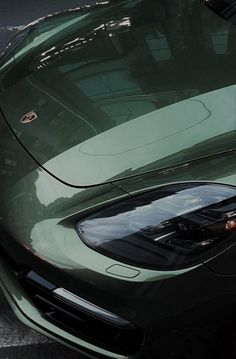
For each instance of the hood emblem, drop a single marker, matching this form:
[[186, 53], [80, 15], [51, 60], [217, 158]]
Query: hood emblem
[[29, 117]]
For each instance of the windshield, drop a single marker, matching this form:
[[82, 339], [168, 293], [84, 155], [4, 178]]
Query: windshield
[[130, 87]]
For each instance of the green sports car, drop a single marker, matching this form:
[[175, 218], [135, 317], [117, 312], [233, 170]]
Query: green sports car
[[118, 178]]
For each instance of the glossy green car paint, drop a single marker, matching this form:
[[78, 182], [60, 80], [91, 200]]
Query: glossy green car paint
[[125, 103], [106, 112]]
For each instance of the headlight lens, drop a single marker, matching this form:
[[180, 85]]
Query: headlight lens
[[172, 227]]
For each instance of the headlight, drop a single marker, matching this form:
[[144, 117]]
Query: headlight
[[171, 227]]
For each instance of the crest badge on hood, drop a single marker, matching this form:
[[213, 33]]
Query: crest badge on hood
[[29, 117]]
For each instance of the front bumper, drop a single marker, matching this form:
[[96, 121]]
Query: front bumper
[[27, 313]]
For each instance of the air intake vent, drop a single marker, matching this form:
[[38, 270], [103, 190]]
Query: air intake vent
[[81, 318]]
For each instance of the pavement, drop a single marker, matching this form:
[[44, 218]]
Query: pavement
[[16, 340]]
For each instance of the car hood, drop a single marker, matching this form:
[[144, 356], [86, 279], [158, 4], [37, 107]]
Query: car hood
[[87, 114], [179, 133]]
